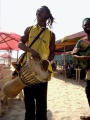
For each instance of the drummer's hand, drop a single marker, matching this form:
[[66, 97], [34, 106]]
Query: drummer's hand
[[81, 58], [78, 57], [45, 64], [14, 76], [35, 55], [85, 58]]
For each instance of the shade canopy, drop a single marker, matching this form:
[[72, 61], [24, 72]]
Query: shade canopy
[[68, 42], [9, 41], [5, 55]]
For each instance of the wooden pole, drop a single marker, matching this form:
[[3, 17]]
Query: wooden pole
[[64, 62], [17, 54]]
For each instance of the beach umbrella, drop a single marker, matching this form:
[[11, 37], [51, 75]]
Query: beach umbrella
[[5, 55], [9, 41], [68, 42]]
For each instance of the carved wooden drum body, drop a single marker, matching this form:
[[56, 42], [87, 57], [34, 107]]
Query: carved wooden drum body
[[30, 73]]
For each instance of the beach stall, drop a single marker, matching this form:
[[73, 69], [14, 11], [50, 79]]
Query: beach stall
[[67, 43]]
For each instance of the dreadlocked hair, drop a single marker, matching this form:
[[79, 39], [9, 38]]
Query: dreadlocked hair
[[50, 19]]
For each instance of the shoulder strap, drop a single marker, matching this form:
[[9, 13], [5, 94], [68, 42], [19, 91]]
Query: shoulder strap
[[23, 55], [33, 42], [37, 37]]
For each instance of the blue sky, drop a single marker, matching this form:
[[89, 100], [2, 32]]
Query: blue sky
[[16, 15]]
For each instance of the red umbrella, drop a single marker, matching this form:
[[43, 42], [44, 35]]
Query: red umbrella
[[5, 55], [9, 41]]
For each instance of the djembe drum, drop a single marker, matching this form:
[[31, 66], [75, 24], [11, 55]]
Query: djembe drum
[[30, 73]]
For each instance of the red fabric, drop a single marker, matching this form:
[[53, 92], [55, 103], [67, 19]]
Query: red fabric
[[5, 55], [9, 41]]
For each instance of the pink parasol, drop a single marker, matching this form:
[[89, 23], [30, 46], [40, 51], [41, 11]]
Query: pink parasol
[[5, 55], [9, 41]]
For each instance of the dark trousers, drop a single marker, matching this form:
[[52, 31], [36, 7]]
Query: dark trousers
[[36, 102], [87, 90]]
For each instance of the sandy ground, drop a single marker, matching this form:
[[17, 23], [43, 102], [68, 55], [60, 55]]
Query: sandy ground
[[66, 101]]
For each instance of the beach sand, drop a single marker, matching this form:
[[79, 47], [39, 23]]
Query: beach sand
[[66, 101]]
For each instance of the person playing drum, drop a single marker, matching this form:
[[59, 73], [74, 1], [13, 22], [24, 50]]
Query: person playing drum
[[35, 96]]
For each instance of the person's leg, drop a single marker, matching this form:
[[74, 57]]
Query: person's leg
[[41, 101], [29, 103], [87, 90]]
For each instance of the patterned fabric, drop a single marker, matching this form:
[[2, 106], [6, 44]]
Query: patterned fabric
[[82, 45]]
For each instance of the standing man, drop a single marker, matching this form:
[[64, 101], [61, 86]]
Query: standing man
[[44, 49], [84, 44]]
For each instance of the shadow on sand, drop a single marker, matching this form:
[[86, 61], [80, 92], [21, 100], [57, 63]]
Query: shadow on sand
[[81, 83], [50, 116]]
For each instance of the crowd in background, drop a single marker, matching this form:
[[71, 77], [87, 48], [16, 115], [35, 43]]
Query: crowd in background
[[70, 68]]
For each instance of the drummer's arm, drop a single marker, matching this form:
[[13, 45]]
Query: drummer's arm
[[23, 41], [52, 48], [22, 45], [14, 64]]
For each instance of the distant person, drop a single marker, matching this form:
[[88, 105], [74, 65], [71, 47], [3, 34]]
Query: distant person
[[75, 65], [68, 72], [71, 68], [84, 44]]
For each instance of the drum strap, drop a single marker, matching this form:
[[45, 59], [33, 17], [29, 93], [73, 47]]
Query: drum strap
[[23, 55], [37, 37]]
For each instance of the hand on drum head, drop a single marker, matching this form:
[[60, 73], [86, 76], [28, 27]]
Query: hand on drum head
[[14, 76], [44, 65], [35, 55]]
